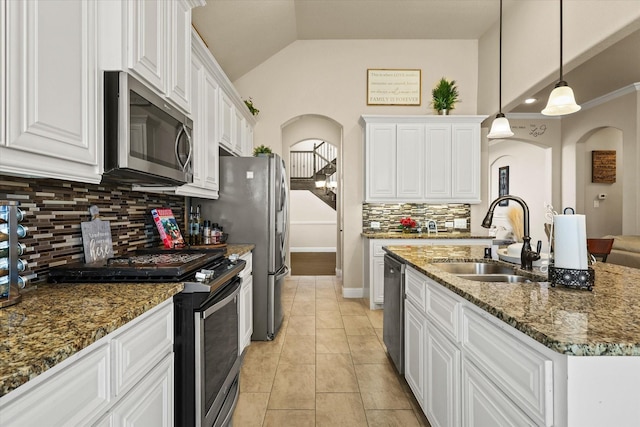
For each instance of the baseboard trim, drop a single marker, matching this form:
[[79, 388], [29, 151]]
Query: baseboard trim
[[353, 292]]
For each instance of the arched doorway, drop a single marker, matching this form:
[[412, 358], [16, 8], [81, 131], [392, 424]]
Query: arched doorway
[[308, 224], [529, 177], [313, 218]]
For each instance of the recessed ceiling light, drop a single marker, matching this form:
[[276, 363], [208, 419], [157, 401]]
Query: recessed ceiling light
[[530, 100]]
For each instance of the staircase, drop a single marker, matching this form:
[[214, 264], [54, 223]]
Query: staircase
[[310, 169]]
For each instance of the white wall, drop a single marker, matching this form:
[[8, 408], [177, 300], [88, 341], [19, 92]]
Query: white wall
[[530, 178], [313, 223], [328, 78], [606, 218], [620, 111], [531, 43]]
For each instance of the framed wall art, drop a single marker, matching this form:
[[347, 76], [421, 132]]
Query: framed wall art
[[603, 166], [503, 184], [394, 87]]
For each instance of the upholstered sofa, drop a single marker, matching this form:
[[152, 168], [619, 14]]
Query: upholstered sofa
[[625, 251]]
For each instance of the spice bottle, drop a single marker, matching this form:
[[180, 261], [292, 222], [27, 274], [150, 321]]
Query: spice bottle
[[206, 233]]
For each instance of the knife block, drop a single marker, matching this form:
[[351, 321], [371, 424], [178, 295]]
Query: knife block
[[9, 278]]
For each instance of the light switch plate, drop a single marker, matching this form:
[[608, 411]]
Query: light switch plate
[[460, 223], [375, 224]]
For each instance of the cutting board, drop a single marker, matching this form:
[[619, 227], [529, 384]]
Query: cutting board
[[96, 238]]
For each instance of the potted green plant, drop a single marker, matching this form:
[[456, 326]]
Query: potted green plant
[[445, 95], [250, 106], [261, 150]]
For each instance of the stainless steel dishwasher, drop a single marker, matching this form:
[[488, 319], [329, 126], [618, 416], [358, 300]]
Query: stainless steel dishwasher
[[393, 319]]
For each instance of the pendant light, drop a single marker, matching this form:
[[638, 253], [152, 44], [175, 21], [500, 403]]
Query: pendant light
[[561, 100], [500, 127]]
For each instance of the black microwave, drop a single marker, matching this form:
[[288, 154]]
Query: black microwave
[[146, 140]]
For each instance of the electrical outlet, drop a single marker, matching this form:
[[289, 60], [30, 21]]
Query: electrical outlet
[[596, 203], [375, 225], [460, 223], [448, 224]]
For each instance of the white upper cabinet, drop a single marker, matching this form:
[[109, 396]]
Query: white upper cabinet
[[226, 121], [380, 164], [453, 162], [236, 125], [179, 64], [51, 102], [151, 39], [432, 159], [146, 40], [409, 161], [204, 110]]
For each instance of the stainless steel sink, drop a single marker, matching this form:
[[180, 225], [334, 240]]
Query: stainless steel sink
[[474, 268], [509, 278], [483, 272]]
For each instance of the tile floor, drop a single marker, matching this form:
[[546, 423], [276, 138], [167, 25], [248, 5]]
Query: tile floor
[[326, 367]]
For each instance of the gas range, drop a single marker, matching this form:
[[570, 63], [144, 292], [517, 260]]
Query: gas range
[[198, 269]]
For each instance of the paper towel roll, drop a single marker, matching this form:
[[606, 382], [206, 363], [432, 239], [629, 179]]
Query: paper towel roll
[[570, 241]]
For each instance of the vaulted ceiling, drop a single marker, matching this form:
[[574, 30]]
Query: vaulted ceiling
[[241, 34]]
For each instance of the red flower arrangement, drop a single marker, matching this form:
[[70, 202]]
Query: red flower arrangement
[[407, 223]]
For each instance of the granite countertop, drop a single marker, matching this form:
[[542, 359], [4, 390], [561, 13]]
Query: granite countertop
[[239, 248], [54, 321], [603, 322], [439, 235]]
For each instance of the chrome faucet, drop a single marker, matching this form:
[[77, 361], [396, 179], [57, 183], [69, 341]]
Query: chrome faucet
[[527, 256]]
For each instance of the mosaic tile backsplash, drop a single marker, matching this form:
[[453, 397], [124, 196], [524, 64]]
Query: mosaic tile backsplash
[[389, 215], [54, 210]]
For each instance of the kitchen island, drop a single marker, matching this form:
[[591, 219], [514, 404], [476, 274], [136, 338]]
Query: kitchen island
[[521, 353]]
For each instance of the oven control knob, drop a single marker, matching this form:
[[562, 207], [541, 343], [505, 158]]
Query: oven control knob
[[204, 275]]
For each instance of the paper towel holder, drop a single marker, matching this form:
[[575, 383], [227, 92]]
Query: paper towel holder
[[572, 278]]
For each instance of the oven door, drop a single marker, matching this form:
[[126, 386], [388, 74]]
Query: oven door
[[217, 362]]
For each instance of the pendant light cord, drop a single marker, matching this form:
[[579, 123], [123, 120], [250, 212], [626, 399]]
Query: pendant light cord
[[500, 65], [560, 40]]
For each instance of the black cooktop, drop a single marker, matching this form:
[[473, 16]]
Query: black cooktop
[[153, 265]]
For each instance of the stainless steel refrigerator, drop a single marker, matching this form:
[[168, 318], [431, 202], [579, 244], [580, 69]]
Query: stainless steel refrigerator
[[253, 208]]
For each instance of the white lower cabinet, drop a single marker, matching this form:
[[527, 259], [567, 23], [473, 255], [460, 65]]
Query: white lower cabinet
[[125, 378], [485, 405], [77, 393], [442, 398], [466, 369], [525, 375], [246, 302], [414, 350], [149, 404]]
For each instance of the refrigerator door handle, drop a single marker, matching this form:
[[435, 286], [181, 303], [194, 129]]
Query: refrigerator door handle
[[283, 272]]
